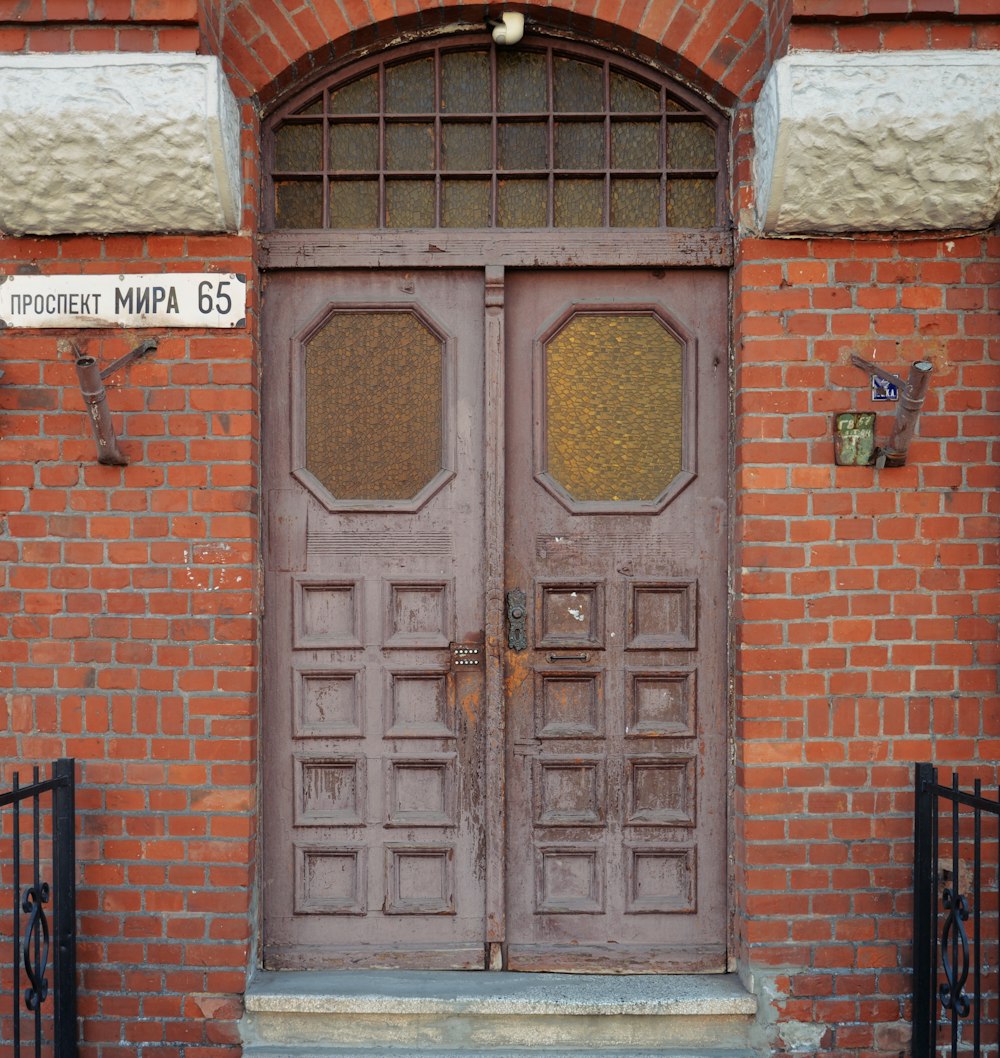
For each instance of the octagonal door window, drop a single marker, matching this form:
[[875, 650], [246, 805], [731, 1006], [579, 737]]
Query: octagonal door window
[[616, 411], [373, 430]]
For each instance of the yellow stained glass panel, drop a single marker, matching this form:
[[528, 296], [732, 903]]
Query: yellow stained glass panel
[[373, 395], [613, 407]]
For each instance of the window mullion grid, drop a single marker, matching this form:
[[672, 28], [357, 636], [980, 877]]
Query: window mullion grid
[[382, 219], [327, 160], [330, 176], [720, 189], [494, 137], [664, 130], [606, 66], [436, 160], [550, 92]]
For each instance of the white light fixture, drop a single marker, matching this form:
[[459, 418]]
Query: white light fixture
[[510, 29]]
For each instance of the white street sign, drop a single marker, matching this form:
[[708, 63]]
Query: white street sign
[[176, 299]]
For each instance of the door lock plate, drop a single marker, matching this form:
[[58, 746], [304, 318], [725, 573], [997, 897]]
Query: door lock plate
[[517, 612]]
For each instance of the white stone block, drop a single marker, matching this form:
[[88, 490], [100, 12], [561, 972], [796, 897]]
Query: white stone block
[[877, 142], [104, 142]]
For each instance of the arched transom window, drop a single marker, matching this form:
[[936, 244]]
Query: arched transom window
[[468, 135]]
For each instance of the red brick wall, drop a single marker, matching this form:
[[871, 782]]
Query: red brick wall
[[719, 45], [867, 604], [893, 25], [866, 601], [98, 25], [128, 639]]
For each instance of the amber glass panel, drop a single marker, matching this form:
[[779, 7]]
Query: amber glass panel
[[635, 203], [299, 149], [358, 97], [465, 83], [298, 203], [613, 407], [354, 148], [409, 147], [466, 146], [635, 145], [409, 87], [629, 96], [691, 203], [522, 203], [579, 86], [354, 204], [409, 204], [579, 203], [465, 203], [373, 395], [522, 145], [579, 145], [691, 145], [521, 83]]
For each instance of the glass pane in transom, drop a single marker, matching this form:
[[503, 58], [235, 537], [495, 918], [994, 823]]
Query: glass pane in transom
[[465, 82], [580, 145], [521, 83], [409, 87], [299, 149], [354, 147], [579, 86], [356, 97]]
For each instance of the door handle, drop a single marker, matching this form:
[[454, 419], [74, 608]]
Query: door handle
[[517, 612]]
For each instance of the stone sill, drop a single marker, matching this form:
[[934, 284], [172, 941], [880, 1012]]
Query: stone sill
[[463, 992]]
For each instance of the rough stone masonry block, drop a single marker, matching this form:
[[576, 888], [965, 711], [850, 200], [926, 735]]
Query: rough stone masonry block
[[104, 142], [878, 142]]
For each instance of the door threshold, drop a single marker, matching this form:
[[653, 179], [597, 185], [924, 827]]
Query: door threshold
[[483, 992]]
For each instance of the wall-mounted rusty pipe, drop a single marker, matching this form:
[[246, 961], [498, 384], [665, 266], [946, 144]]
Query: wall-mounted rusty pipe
[[911, 400], [96, 398]]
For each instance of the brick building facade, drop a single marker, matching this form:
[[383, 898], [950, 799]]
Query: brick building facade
[[862, 602]]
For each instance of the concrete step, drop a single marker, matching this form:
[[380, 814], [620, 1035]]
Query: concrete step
[[443, 1014], [397, 1052]]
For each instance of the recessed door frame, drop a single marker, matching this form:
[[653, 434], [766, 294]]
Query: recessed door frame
[[494, 703], [305, 117]]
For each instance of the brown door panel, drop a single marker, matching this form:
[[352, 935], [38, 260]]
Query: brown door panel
[[373, 746], [616, 471]]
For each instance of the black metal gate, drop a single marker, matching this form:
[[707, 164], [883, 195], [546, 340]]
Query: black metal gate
[[43, 1015], [956, 930]]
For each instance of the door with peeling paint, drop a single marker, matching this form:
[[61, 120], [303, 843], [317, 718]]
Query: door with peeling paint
[[598, 572], [615, 665], [373, 749]]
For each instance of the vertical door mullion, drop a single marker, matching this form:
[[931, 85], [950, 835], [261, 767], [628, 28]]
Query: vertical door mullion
[[493, 490]]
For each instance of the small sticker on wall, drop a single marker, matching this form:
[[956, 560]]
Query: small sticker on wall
[[883, 389], [854, 438]]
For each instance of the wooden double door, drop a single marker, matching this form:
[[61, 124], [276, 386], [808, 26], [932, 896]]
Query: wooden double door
[[494, 710]]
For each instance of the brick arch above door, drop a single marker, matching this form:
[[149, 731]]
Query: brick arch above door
[[722, 53]]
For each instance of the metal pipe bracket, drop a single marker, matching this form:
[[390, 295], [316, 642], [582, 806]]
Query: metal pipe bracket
[[911, 401]]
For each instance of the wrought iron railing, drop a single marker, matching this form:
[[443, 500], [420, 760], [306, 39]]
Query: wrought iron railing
[[956, 924], [43, 920]]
